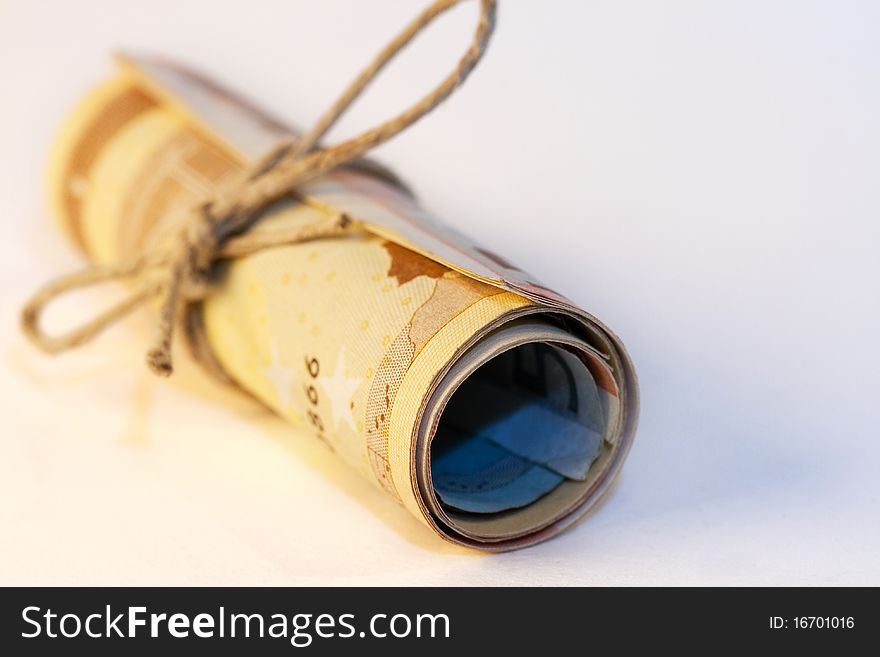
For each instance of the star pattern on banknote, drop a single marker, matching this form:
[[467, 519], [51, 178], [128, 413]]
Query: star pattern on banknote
[[281, 377], [339, 387]]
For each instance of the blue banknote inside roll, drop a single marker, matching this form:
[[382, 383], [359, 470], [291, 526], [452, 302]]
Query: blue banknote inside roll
[[520, 425]]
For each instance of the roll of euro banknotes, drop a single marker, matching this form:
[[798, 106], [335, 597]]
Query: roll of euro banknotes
[[496, 411]]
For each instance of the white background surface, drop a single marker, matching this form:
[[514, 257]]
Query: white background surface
[[703, 176]]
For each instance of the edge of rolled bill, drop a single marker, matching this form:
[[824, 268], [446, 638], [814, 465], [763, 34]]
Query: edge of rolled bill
[[491, 407]]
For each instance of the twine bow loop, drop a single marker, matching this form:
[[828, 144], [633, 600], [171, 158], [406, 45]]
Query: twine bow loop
[[182, 273]]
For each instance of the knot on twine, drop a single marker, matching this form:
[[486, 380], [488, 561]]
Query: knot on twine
[[181, 273]]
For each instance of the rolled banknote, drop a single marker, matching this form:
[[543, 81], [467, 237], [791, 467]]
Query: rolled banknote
[[493, 409]]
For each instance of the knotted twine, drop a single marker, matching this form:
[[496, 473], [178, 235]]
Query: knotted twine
[[180, 273]]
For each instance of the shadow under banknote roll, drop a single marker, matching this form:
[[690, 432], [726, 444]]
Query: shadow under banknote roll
[[492, 408]]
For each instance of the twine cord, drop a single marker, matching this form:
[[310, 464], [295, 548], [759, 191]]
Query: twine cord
[[182, 273]]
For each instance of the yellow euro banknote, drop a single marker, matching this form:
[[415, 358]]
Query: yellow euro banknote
[[493, 409]]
